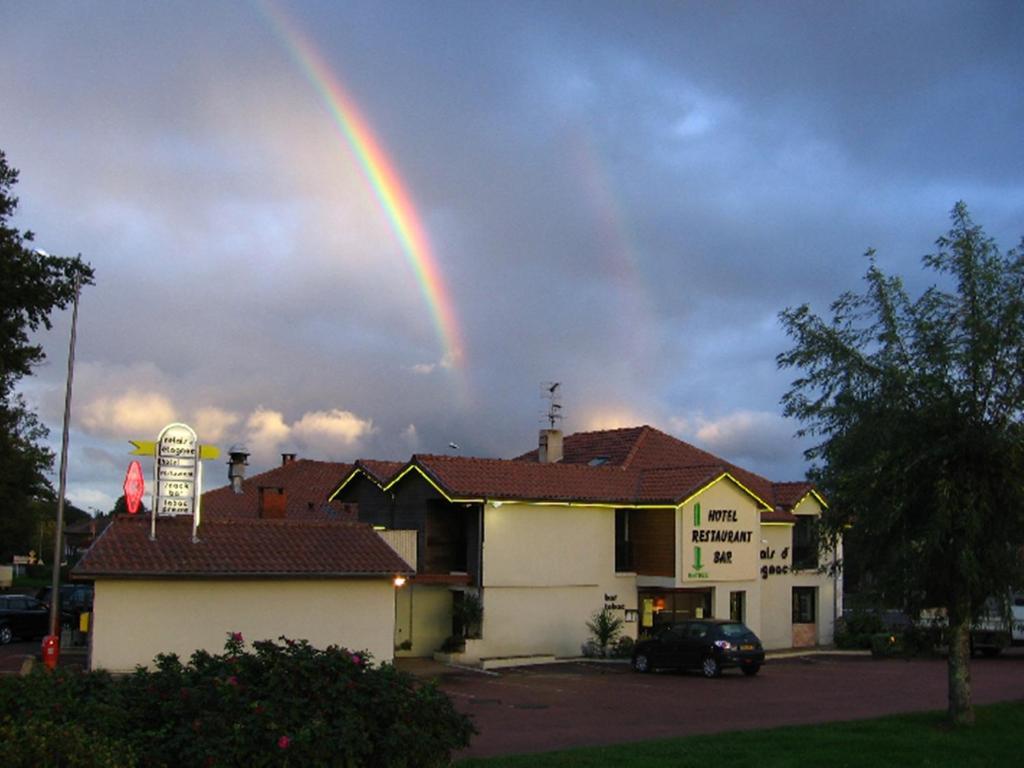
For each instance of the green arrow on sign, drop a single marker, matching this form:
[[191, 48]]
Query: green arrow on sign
[[696, 559], [696, 515]]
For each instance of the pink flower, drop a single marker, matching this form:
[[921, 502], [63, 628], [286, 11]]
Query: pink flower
[[356, 659], [232, 680], [283, 742], [236, 636]]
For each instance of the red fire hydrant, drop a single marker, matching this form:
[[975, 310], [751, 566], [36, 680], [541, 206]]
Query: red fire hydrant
[[51, 651]]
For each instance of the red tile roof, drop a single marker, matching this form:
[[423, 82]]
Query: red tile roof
[[464, 478], [788, 495], [646, 448], [239, 548], [778, 515], [381, 471], [306, 483]]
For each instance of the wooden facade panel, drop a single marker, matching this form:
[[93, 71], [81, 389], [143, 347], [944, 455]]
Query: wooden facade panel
[[653, 536]]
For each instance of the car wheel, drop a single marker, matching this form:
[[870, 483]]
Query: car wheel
[[6, 635], [641, 663], [710, 667], [751, 669]]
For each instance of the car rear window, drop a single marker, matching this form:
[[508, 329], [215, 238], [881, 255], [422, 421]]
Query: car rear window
[[734, 630]]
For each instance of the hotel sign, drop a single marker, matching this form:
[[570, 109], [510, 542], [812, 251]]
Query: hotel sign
[[719, 544], [177, 467], [177, 472]]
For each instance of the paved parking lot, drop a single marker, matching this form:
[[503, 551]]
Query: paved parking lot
[[579, 703]]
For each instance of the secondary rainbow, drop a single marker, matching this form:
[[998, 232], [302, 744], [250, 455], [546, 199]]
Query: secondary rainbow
[[385, 181]]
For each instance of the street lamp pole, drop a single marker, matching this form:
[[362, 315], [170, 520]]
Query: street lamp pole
[[58, 535]]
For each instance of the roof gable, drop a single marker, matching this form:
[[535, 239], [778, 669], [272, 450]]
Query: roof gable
[[380, 473]]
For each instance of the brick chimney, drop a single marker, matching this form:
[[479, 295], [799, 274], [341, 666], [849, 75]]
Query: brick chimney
[[272, 503], [550, 446], [287, 458]]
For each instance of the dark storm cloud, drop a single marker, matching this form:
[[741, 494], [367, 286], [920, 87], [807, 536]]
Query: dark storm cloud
[[621, 197]]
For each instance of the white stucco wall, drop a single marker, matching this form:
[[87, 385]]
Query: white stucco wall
[[134, 620], [424, 617], [547, 570], [776, 629], [777, 588]]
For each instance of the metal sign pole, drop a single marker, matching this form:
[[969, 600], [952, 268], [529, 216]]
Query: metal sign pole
[[58, 543]]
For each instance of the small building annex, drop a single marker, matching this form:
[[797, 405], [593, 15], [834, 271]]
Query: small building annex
[[326, 581]]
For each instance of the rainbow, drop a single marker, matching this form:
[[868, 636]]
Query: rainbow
[[386, 183]]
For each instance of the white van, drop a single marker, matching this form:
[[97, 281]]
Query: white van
[[990, 634]]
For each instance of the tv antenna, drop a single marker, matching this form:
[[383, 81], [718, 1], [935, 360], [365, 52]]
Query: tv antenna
[[552, 392]]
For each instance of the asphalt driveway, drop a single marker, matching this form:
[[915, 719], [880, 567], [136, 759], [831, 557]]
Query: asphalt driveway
[[537, 709]]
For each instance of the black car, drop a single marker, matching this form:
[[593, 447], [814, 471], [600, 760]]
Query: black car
[[709, 645], [75, 599], [25, 617]]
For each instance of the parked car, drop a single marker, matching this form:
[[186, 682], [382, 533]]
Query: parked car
[[709, 645], [75, 599], [26, 617]]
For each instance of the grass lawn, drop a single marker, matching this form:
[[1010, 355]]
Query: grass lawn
[[903, 740]]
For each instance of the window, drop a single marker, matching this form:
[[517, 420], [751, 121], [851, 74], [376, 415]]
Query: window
[[737, 606], [623, 544], [805, 543], [805, 600], [697, 631]]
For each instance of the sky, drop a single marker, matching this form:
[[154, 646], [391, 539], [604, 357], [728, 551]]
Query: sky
[[370, 229]]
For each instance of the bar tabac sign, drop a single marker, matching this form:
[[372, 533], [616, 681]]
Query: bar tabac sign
[[177, 472]]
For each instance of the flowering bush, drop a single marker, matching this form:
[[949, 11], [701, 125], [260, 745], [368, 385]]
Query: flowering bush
[[279, 703]]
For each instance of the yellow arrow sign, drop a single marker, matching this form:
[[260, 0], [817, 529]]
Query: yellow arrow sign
[[143, 448], [148, 448]]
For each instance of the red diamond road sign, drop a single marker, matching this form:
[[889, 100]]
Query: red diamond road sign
[[134, 487]]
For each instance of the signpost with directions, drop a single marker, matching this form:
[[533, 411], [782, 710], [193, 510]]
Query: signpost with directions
[[177, 473]]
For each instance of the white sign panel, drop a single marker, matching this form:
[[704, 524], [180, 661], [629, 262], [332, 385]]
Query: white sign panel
[[177, 463]]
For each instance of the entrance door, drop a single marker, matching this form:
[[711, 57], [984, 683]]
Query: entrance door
[[673, 606], [805, 626]]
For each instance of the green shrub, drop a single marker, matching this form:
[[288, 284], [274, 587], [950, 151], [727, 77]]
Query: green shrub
[[276, 704], [605, 627], [856, 630], [886, 644], [42, 743], [922, 639], [623, 648], [913, 640], [468, 614]]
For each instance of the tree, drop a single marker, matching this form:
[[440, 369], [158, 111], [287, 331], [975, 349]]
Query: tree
[[121, 508], [34, 284], [918, 408]]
